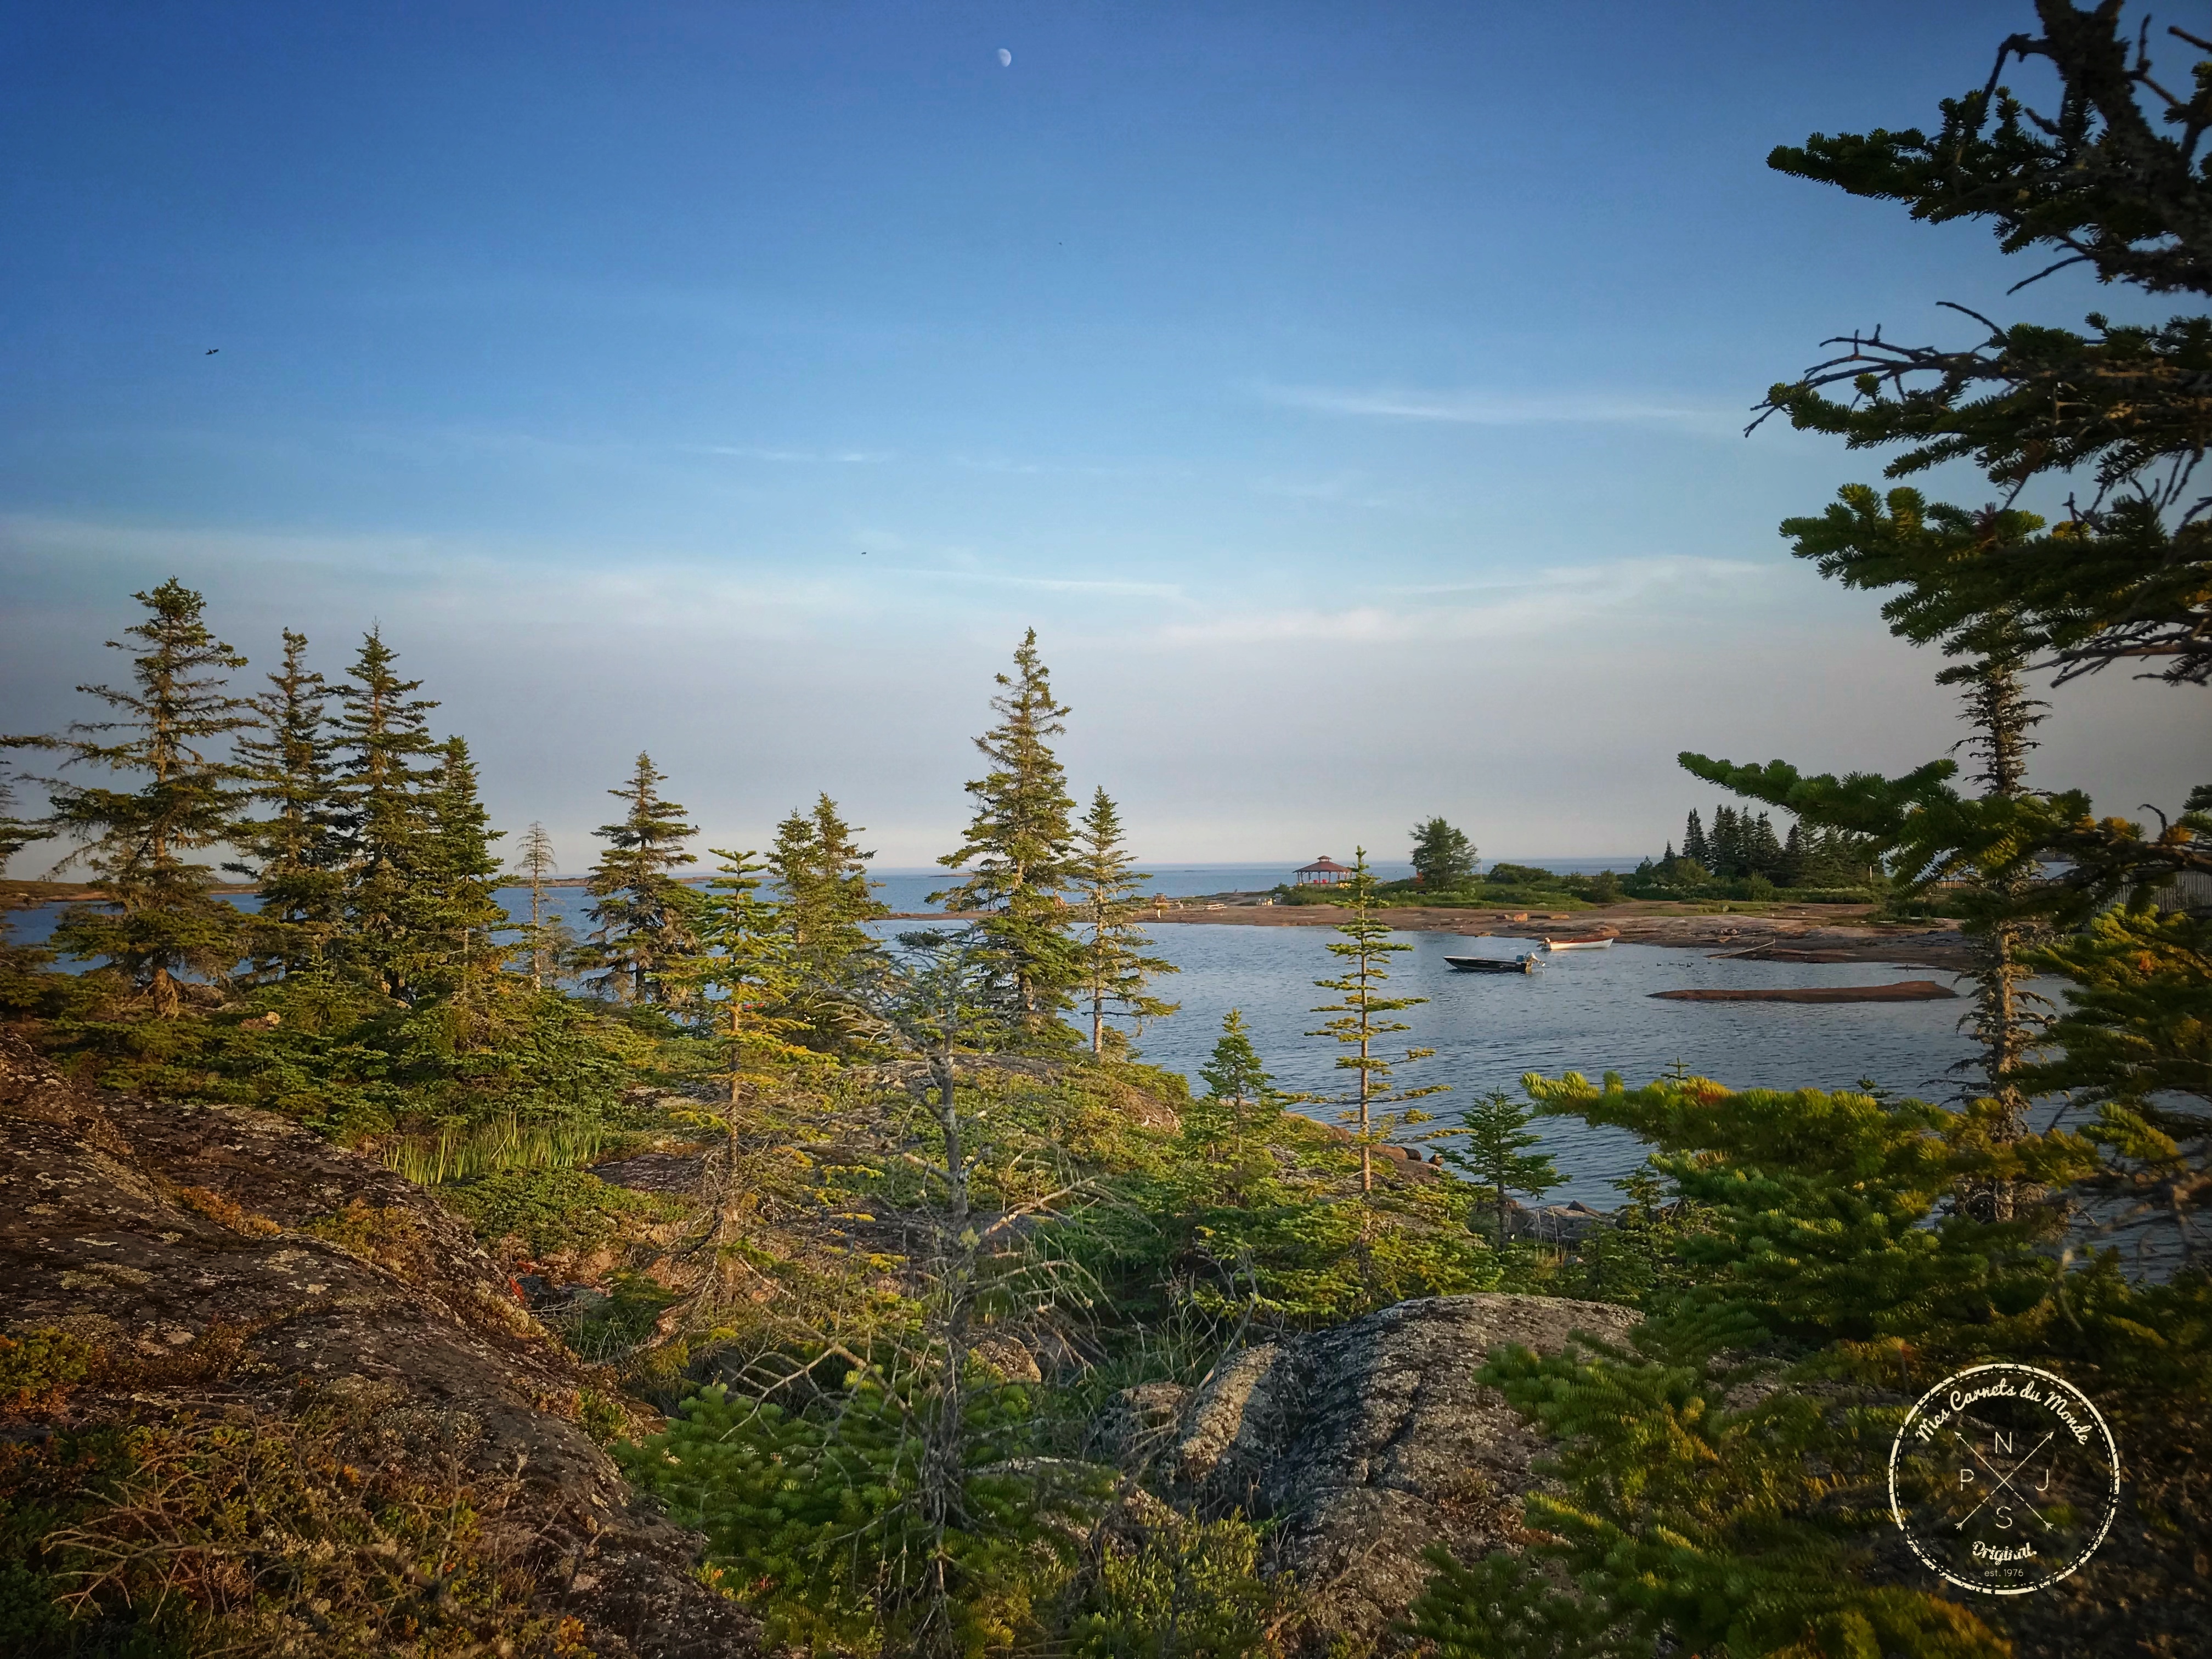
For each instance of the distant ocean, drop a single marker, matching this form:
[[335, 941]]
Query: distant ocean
[[907, 890]]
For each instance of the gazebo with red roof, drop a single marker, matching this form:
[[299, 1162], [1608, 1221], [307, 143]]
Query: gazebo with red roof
[[1323, 872]]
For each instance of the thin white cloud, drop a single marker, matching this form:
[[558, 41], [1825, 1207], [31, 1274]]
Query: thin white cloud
[[1044, 584], [805, 456], [1481, 408], [1630, 576], [1540, 604]]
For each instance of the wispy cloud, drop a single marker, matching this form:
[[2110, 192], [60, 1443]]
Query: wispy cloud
[[1044, 584], [803, 457], [1476, 407], [1351, 488], [1545, 604]]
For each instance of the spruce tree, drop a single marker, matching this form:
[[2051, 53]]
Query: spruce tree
[[2111, 413], [1016, 854], [1115, 969], [2006, 1020], [2113, 178], [388, 763], [1239, 1095], [1363, 1019], [456, 912], [296, 849], [546, 943], [16, 834], [1495, 1152], [1694, 847], [1729, 841], [1762, 852], [746, 971], [645, 915], [827, 900], [159, 919], [1443, 857]]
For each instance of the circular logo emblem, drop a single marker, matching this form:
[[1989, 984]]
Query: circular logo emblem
[[2004, 1478]]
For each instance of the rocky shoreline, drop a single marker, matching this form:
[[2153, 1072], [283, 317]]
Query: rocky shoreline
[[1811, 932]]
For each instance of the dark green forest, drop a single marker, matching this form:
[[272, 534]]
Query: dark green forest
[[949, 1214]]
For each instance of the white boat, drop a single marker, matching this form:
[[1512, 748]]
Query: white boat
[[1577, 944]]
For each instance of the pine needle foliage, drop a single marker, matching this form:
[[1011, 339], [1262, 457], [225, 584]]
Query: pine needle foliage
[[296, 851], [159, 921], [388, 764], [1266, 1223], [1495, 1140], [645, 916], [546, 943], [826, 903], [1016, 854], [1362, 1022], [2112, 178], [1115, 969], [1721, 1480]]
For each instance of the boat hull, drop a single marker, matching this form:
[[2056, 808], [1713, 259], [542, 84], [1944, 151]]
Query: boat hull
[[1492, 964]]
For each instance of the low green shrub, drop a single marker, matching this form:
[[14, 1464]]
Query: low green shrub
[[552, 1211]]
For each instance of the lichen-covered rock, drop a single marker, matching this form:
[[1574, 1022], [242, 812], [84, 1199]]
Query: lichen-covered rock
[[148, 1230], [1367, 1444], [1138, 1424]]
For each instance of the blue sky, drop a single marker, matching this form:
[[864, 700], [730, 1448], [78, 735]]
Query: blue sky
[[1350, 396]]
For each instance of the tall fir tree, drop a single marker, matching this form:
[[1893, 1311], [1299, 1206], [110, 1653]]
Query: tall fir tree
[[1727, 842], [1362, 1020], [1115, 969], [745, 973], [646, 917], [1016, 855], [295, 850], [2007, 1018], [2112, 177], [387, 763], [160, 921], [546, 942], [826, 899], [1694, 847], [826, 903], [457, 915], [1762, 853]]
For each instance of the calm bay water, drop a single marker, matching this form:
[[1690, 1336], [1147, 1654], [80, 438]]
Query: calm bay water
[[1586, 1011]]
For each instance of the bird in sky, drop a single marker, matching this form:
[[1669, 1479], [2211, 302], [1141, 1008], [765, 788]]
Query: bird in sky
[[211, 351]]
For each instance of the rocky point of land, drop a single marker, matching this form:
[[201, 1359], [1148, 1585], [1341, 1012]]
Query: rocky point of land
[[1364, 1444], [1784, 932], [228, 1264]]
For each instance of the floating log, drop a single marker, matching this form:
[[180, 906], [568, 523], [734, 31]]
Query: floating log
[[1904, 990]]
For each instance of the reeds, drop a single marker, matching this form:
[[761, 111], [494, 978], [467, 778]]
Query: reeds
[[459, 1150]]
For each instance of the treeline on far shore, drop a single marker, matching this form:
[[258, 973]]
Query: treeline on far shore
[[1741, 858]]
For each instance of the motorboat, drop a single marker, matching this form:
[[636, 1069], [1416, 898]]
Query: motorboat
[[1520, 964], [1577, 944]]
